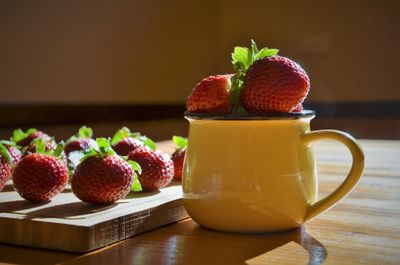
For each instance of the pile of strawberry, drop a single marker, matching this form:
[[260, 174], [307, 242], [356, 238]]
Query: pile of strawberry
[[263, 83], [101, 171]]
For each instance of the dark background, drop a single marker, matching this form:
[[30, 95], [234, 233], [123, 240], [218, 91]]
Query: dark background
[[113, 63]]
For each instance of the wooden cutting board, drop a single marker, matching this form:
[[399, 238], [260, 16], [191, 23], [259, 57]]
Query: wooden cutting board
[[68, 224]]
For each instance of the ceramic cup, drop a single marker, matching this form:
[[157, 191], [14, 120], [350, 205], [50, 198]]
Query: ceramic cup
[[258, 174]]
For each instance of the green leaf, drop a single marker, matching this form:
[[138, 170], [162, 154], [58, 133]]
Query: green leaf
[[265, 52], [121, 134], [30, 131], [136, 183], [103, 143], [58, 150], [18, 135], [240, 54], [135, 134], [4, 153], [9, 143], [135, 166], [179, 141], [148, 142], [105, 146], [40, 146], [249, 59], [89, 154], [100, 147], [85, 132], [239, 67], [94, 147]]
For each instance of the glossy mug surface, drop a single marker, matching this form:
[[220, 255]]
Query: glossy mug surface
[[258, 174]]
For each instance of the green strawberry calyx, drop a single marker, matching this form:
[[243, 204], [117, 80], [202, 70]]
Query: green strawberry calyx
[[102, 147], [83, 133], [19, 134], [136, 186], [125, 132], [242, 59], [40, 145], [10, 143], [179, 141], [5, 154]]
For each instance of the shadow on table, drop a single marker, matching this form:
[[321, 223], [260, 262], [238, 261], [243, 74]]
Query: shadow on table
[[8, 188], [68, 210], [187, 243], [73, 210]]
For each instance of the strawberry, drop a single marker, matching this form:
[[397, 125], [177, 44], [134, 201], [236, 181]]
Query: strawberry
[[13, 151], [274, 84], [265, 82], [124, 142], [31, 148], [298, 108], [210, 95], [127, 145], [5, 166], [25, 138], [102, 177], [5, 172], [80, 141], [40, 176], [178, 156], [157, 168], [78, 145]]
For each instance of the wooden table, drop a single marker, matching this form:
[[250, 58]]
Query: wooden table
[[363, 228]]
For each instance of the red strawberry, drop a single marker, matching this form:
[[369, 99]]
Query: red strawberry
[[15, 154], [124, 141], [39, 177], [127, 145], [6, 165], [80, 141], [178, 157], [78, 145], [210, 95], [298, 108], [25, 138], [5, 171], [157, 168], [274, 84], [102, 179]]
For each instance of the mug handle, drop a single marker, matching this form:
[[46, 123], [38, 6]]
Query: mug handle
[[352, 178]]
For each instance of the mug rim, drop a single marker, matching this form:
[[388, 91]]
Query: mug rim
[[259, 116]]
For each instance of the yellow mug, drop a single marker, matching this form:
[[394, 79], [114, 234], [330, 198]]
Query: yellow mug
[[258, 174]]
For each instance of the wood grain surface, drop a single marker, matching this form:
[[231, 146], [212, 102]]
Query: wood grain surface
[[363, 229]]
